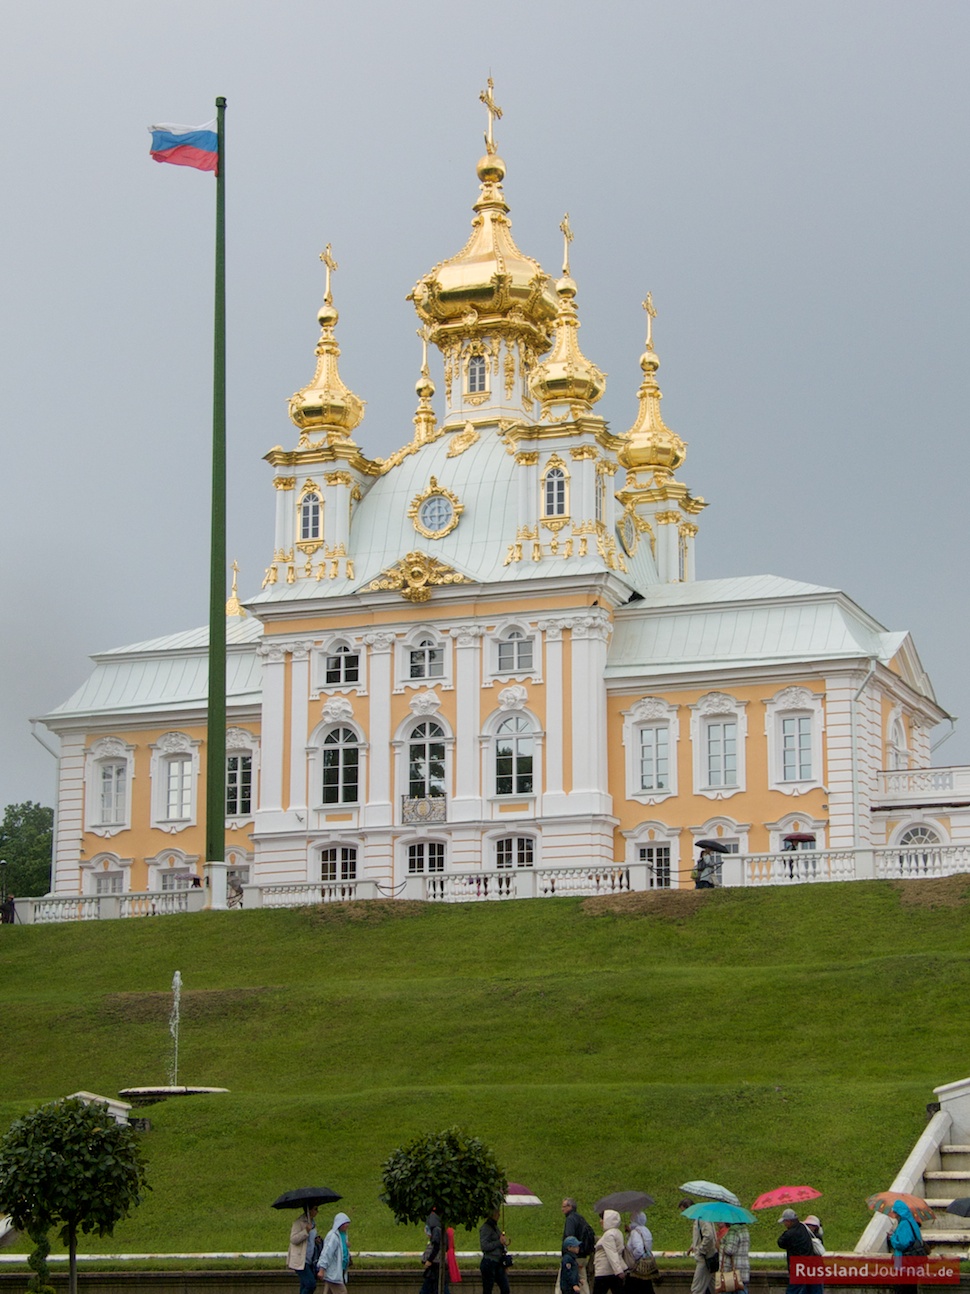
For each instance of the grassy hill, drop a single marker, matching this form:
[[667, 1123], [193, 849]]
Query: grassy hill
[[756, 1037]]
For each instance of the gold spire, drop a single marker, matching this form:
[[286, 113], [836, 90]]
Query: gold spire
[[326, 404], [233, 605], [424, 419], [567, 376], [650, 442], [490, 287]]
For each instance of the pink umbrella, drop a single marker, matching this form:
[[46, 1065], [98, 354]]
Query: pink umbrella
[[519, 1194], [785, 1195]]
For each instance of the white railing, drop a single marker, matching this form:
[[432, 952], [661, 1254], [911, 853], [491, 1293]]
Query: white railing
[[527, 883], [106, 907], [922, 784], [918, 862], [301, 894], [794, 867]]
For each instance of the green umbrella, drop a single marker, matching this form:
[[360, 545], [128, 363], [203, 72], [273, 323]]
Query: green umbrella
[[719, 1211]]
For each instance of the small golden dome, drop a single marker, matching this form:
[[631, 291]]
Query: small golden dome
[[326, 404], [567, 376], [650, 442]]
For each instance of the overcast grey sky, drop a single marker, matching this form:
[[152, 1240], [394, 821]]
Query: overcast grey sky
[[789, 179]]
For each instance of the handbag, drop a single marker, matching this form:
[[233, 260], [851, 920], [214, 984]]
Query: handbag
[[642, 1269], [713, 1262], [727, 1281]]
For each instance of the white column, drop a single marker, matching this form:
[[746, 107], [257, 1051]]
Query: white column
[[271, 729], [377, 807], [466, 805], [284, 515], [668, 546], [69, 820], [589, 637], [553, 799], [299, 701]]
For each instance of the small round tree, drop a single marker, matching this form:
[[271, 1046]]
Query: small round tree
[[70, 1164], [450, 1172]]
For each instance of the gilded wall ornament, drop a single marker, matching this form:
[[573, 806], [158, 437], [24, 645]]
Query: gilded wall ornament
[[436, 511], [463, 440], [414, 576]]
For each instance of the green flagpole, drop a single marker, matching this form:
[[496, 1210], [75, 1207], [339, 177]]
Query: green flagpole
[[215, 768]]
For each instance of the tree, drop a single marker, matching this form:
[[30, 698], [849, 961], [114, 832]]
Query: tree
[[26, 841], [70, 1163], [450, 1172]]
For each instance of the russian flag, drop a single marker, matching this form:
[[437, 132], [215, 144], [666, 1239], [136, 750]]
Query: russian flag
[[196, 146]]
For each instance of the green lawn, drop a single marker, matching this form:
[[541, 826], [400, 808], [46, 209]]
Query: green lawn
[[754, 1037]]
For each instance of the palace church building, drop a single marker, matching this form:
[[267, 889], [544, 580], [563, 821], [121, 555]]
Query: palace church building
[[484, 666]]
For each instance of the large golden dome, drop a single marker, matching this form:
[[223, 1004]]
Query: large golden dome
[[326, 404]]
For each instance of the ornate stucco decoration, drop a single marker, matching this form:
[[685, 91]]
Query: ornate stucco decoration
[[436, 511], [238, 739], [337, 709], [513, 698], [650, 707], [463, 440], [425, 703], [414, 576]]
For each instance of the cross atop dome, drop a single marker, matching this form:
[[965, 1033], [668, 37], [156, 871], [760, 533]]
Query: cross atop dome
[[494, 113]]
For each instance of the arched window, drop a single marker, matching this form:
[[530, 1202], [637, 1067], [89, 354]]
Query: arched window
[[426, 761], [554, 493], [427, 660], [920, 835], [338, 863], [341, 767], [310, 516], [600, 501], [343, 666], [514, 753], [898, 745], [477, 375], [514, 653]]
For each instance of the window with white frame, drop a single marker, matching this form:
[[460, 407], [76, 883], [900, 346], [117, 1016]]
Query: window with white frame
[[426, 761], [109, 883], [898, 745], [426, 856], [178, 787], [108, 771], [515, 652], [175, 775], [554, 493], [309, 517], [794, 725], [718, 732], [477, 375], [426, 660], [112, 792], [338, 863], [342, 666], [918, 835], [174, 881], [515, 851], [657, 860], [341, 767], [514, 756], [650, 732], [239, 786]]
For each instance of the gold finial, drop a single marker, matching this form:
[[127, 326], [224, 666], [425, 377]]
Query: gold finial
[[425, 335], [651, 315], [567, 238], [327, 257], [494, 113], [233, 605]]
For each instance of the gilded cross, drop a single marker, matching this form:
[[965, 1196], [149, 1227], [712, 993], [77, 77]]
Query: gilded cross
[[494, 113], [567, 238], [651, 315], [327, 257]]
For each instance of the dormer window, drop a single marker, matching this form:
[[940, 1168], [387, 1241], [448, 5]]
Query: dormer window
[[310, 517], [477, 375], [554, 493]]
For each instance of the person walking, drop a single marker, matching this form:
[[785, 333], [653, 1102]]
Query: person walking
[[609, 1269], [703, 1246], [493, 1244], [639, 1244], [569, 1267], [575, 1224], [796, 1240], [905, 1239], [735, 1253], [304, 1248], [431, 1258], [334, 1261]]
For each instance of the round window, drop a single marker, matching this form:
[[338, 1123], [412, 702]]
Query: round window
[[437, 514]]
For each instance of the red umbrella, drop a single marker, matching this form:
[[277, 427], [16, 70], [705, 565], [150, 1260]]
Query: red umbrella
[[785, 1195]]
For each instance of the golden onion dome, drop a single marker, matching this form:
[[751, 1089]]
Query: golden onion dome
[[327, 404], [650, 442], [567, 376], [490, 283]]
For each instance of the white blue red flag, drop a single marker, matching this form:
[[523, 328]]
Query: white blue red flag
[[196, 146]]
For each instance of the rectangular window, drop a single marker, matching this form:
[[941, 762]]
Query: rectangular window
[[339, 863], [657, 859], [112, 799], [429, 854], [108, 883], [796, 748], [174, 881], [655, 758], [427, 661], [515, 654], [722, 753], [343, 667], [515, 851], [239, 786], [178, 788]]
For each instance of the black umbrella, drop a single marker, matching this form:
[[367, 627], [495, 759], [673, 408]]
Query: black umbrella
[[712, 844], [306, 1197], [624, 1202], [960, 1207]]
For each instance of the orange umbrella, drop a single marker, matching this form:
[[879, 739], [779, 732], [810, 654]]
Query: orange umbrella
[[883, 1202]]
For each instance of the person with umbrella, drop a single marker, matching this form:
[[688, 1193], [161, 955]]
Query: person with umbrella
[[609, 1267], [708, 869], [303, 1251], [493, 1243], [703, 1247]]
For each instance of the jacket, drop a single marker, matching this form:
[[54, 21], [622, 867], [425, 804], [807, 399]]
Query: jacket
[[735, 1251], [490, 1239], [432, 1250], [797, 1242], [299, 1235], [608, 1254], [704, 1239], [331, 1261], [906, 1233], [568, 1273], [574, 1224]]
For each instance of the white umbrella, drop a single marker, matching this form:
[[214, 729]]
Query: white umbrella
[[519, 1194], [711, 1191]]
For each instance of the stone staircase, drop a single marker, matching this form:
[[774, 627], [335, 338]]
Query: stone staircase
[[948, 1234]]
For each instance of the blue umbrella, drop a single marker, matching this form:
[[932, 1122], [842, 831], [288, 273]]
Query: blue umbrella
[[719, 1211]]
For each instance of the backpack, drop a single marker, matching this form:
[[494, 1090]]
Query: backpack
[[587, 1238]]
